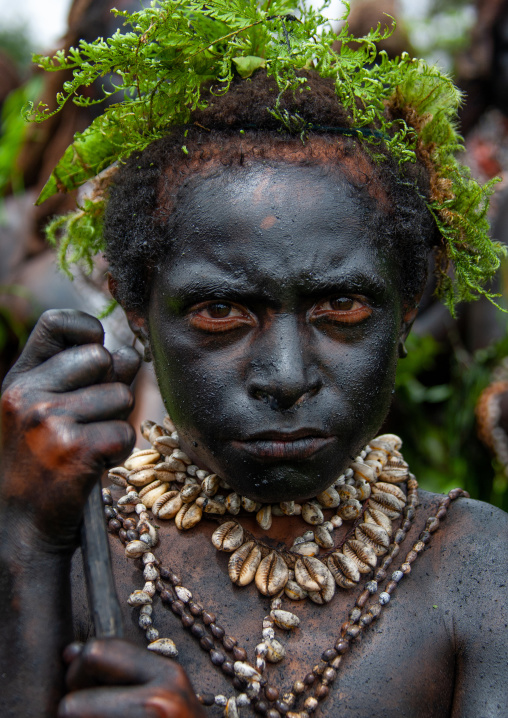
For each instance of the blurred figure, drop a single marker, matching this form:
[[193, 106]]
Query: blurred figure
[[30, 281]]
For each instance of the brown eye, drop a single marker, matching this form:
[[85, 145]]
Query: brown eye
[[343, 310], [219, 310], [220, 317], [342, 303]]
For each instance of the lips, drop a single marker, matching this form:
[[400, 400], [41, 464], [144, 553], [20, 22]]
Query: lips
[[285, 446]]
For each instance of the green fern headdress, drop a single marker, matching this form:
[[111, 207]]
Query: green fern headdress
[[176, 47]]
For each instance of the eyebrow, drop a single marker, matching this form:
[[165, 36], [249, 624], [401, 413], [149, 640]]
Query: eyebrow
[[189, 291]]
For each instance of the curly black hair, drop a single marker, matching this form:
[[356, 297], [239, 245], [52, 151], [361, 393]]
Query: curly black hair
[[235, 130]]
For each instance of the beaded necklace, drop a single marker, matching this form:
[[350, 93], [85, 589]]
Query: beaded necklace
[[297, 574]]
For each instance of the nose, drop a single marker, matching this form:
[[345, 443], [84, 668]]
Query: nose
[[282, 371]]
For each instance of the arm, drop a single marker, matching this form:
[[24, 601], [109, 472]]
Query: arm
[[60, 429], [477, 596]]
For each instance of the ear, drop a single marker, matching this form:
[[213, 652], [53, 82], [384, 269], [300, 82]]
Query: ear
[[407, 323], [136, 322]]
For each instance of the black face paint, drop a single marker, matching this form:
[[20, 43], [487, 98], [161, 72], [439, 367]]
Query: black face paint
[[274, 327]]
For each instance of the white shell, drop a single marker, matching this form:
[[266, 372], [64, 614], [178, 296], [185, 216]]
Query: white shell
[[373, 516], [329, 498], [183, 593], [364, 471], [228, 536], [139, 598], [188, 516], [312, 514], [294, 591], [264, 517], [190, 492], [175, 464], [325, 593], [306, 548], [244, 563], [285, 619], [181, 456], [164, 646], [135, 549], [168, 505], [310, 573], [276, 651], [390, 489], [361, 553], [210, 485], [350, 509], [272, 574], [287, 507], [139, 459], [165, 444], [231, 711], [233, 503], [245, 670], [344, 569], [374, 536]]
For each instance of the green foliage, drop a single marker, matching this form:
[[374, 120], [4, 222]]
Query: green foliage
[[12, 133], [171, 49], [437, 422]]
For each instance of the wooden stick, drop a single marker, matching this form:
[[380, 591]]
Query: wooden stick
[[102, 598]]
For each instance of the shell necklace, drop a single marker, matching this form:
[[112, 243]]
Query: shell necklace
[[367, 494], [378, 467]]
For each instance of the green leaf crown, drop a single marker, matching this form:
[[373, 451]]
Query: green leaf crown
[[175, 48]]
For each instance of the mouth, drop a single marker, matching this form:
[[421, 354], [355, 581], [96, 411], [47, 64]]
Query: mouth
[[289, 446]]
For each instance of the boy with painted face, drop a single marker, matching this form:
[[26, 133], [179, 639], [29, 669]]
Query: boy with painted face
[[274, 283]]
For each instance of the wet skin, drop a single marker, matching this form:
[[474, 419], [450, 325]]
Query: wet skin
[[274, 325]]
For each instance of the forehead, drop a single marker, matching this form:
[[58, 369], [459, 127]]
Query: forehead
[[275, 225]]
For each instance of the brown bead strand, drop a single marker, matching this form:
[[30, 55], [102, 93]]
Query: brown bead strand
[[333, 657], [350, 630]]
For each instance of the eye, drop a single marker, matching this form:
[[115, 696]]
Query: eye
[[343, 309], [215, 316]]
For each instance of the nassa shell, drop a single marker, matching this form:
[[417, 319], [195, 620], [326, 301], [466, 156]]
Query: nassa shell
[[329, 498], [272, 574], [312, 514], [233, 503], [164, 646], [294, 591], [228, 536], [323, 537], [275, 651], [244, 563], [350, 509], [306, 548], [285, 619], [210, 485], [264, 517]]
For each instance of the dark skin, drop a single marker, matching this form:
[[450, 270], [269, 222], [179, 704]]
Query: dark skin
[[294, 353]]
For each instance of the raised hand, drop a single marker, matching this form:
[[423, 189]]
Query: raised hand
[[64, 407], [114, 679]]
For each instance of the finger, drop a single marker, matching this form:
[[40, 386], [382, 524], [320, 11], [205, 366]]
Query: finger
[[127, 702], [116, 662], [126, 362], [111, 440], [72, 651], [73, 369], [56, 330], [100, 402]]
